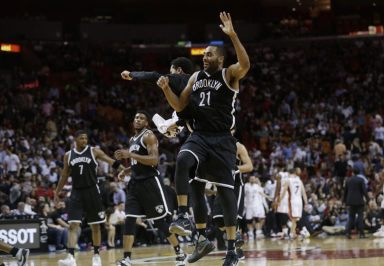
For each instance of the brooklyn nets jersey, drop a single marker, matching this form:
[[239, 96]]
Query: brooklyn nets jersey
[[213, 100], [82, 167], [136, 145]]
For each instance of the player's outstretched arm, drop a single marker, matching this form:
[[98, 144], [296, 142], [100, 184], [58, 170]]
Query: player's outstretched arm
[[140, 75], [240, 69], [177, 103], [100, 155]]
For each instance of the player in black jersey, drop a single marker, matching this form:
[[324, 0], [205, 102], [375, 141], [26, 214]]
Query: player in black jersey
[[81, 164], [145, 195], [244, 165], [180, 72], [213, 92]]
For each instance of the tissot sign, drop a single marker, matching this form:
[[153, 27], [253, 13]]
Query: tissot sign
[[21, 234]]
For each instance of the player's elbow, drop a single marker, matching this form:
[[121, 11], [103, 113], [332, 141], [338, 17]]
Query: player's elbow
[[245, 66]]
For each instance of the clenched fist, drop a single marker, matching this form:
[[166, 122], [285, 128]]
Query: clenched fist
[[125, 75], [163, 82]]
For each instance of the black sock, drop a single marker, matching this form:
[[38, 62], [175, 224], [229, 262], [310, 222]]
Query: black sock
[[182, 209], [14, 251], [127, 254], [231, 244], [96, 249], [201, 232], [177, 248], [71, 251]]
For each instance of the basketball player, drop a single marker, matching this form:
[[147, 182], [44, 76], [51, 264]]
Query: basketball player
[[244, 165], [19, 253], [281, 204], [255, 206], [145, 195], [213, 92], [85, 201], [296, 196], [180, 72]]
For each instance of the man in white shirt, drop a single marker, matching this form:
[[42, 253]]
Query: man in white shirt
[[12, 163], [255, 205]]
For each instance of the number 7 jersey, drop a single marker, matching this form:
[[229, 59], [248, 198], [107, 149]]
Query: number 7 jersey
[[214, 102], [83, 167]]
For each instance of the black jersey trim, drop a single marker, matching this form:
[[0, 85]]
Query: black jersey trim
[[81, 152], [93, 157], [223, 71], [140, 134]]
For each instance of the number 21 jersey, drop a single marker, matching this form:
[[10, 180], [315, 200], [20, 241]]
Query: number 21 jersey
[[213, 100]]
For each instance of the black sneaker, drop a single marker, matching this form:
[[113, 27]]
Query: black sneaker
[[231, 259], [22, 256], [240, 253], [239, 243], [180, 258], [182, 226], [202, 248]]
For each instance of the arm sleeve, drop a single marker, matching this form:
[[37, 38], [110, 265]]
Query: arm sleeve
[[143, 75]]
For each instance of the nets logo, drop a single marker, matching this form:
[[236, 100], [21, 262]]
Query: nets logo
[[20, 236]]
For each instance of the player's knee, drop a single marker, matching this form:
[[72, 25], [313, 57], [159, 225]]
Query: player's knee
[[185, 160], [219, 221], [129, 226], [95, 227], [74, 226]]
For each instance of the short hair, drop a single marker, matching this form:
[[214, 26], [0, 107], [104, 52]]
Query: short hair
[[144, 113], [80, 132], [220, 50], [356, 170], [184, 63]]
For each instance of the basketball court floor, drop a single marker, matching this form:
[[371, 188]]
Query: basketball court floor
[[314, 252]]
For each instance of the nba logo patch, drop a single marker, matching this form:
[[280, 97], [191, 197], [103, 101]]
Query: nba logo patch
[[159, 208]]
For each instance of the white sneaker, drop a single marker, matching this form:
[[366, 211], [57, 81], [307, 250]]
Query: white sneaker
[[96, 260], [68, 261], [259, 234], [304, 233], [251, 236], [125, 262], [22, 256], [379, 233]]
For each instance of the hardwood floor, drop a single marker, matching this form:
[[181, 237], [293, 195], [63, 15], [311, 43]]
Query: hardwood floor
[[314, 252]]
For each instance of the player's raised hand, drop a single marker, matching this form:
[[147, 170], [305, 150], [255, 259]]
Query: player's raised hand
[[226, 25], [125, 75], [163, 82]]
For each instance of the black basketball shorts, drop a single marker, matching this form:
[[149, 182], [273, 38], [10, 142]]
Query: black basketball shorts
[[215, 155], [86, 203], [146, 198]]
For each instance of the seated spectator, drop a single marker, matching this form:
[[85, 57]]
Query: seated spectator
[[6, 212], [115, 223], [57, 234]]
